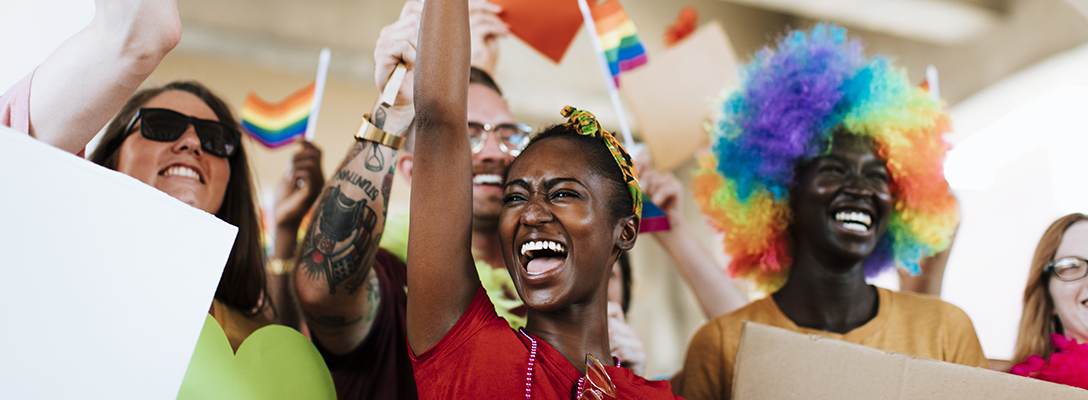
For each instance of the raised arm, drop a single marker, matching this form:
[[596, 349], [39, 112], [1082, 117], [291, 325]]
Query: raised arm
[[337, 287], [440, 268], [76, 91], [716, 292]]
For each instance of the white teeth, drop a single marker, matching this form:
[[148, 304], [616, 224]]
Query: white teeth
[[182, 171], [487, 179], [854, 226], [861, 219], [541, 245]]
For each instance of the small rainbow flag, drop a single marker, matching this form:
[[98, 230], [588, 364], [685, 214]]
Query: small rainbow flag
[[619, 39], [275, 125]]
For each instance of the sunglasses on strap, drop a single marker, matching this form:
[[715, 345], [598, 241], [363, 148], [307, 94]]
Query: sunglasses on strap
[[163, 125]]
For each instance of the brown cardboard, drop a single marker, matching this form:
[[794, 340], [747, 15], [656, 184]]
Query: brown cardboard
[[672, 95], [774, 363]]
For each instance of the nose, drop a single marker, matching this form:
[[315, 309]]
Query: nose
[[855, 185], [535, 213], [492, 151], [188, 141]]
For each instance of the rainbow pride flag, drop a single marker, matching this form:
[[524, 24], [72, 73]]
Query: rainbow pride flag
[[277, 124], [619, 39]]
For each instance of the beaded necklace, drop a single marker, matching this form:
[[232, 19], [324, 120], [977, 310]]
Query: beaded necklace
[[532, 363]]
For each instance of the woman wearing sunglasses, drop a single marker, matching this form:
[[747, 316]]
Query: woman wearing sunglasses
[[183, 140], [570, 208], [1053, 340]]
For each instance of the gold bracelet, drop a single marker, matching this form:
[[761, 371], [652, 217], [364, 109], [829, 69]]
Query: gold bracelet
[[279, 266], [369, 132]]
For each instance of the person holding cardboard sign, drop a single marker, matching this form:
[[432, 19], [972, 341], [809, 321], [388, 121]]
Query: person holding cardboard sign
[[570, 207], [828, 170]]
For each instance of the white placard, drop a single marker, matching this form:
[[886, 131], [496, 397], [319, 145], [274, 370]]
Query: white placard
[[1013, 179], [106, 281]]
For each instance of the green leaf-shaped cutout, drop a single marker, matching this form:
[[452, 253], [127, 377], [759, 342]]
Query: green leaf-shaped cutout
[[275, 362]]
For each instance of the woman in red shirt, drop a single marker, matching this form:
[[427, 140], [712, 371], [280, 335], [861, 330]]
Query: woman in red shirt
[[571, 206]]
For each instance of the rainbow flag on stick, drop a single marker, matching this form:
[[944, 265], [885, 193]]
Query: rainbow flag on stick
[[618, 37], [277, 124]]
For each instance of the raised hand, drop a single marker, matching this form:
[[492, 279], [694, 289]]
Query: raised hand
[[626, 346], [299, 187], [485, 28]]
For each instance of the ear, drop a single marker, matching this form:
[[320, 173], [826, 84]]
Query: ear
[[628, 232], [404, 166]]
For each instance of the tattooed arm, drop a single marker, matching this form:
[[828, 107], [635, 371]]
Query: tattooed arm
[[336, 285]]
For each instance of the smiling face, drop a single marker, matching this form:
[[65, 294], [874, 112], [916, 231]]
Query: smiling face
[[1071, 298], [487, 107], [559, 239], [180, 168], [842, 202]]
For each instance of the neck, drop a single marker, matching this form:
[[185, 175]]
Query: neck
[[826, 294], [575, 331], [485, 243]]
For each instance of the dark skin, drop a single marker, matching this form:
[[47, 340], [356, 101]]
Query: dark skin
[[549, 199], [553, 196], [826, 289]]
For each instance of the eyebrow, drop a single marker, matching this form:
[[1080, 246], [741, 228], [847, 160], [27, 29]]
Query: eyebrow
[[548, 184]]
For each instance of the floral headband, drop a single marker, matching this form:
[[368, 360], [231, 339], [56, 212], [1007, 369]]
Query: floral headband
[[587, 125]]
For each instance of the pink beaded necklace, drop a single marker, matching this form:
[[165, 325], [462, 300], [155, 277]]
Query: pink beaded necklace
[[532, 363]]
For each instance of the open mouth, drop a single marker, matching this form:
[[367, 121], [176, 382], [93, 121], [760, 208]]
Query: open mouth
[[541, 256], [487, 179], [857, 221], [183, 171]]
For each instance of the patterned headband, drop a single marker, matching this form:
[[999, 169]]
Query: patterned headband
[[587, 125]]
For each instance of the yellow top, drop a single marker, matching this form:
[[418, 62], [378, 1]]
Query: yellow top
[[905, 323]]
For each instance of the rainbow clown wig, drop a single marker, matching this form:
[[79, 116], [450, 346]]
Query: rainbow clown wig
[[790, 101]]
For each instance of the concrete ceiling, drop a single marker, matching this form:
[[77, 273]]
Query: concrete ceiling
[[287, 35]]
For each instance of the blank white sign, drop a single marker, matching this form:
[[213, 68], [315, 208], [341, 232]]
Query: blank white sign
[[106, 281]]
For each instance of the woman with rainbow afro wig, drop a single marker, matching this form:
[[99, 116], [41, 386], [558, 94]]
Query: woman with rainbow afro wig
[[827, 168]]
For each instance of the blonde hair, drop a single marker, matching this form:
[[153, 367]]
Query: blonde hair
[[1037, 319]]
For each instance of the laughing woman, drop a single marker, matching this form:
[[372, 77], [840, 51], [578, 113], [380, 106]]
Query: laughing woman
[[828, 170], [569, 211]]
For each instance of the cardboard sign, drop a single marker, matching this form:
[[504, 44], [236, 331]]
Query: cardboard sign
[[672, 96], [774, 363], [107, 281], [547, 26]]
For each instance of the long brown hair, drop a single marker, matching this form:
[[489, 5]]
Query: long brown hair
[[242, 284], [1037, 322]]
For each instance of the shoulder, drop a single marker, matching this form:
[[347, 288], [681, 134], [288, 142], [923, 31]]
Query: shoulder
[[923, 307], [15, 106], [763, 311]]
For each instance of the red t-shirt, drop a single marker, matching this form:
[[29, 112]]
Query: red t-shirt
[[482, 358]]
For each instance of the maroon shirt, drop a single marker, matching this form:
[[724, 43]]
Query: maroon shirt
[[380, 367]]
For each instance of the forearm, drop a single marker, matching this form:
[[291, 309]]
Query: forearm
[[336, 287], [440, 267], [715, 291], [79, 88]]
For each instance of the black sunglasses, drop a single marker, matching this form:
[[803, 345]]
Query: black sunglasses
[[162, 125]]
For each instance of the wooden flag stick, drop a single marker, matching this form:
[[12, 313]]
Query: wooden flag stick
[[389, 94]]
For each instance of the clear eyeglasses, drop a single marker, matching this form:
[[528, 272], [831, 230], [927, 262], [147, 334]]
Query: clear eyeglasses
[[1068, 268], [512, 136]]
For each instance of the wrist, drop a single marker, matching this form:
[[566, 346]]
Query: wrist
[[394, 120]]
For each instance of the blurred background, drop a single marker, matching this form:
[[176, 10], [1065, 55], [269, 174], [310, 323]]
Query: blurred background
[[993, 57]]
